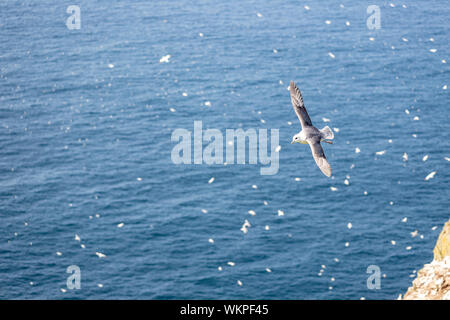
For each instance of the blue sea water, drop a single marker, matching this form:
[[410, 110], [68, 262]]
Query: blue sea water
[[86, 118]]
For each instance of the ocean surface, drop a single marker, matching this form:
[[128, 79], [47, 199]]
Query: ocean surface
[[87, 178]]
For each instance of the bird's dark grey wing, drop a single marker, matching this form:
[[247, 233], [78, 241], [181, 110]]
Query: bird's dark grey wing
[[299, 106], [319, 156]]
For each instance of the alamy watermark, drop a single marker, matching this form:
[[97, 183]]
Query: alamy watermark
[[74, 280], [374, 280], [73, 22], [374, 20], [209, 147]]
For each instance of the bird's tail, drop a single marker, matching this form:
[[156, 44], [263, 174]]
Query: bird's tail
[[327, 133]]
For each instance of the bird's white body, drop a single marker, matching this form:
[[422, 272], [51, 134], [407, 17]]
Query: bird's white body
[[302, 136]]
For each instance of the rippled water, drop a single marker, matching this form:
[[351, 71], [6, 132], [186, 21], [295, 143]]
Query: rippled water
[[86, 118]]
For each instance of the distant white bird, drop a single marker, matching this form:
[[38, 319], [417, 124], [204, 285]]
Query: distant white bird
[[430, 176], [165, 59], [245, 226], [100, 255], [310, 134], [405, 156]]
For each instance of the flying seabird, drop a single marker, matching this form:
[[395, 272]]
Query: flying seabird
[[310, 134]]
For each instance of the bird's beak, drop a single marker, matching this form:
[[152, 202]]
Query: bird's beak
[[293, 141]]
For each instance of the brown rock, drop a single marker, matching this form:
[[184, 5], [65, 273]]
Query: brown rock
[[442, 247], [433, 280]]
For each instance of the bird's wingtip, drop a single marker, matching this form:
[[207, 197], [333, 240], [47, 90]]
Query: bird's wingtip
[[326, 172], [293, 87]]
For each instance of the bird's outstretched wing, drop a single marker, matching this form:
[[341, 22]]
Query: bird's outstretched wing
[[299, 107], [319, 156]]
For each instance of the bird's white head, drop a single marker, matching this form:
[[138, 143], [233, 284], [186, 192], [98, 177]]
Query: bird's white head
[[296, 138]]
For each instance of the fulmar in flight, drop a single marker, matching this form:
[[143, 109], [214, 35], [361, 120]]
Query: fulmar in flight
[[310, 134]]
